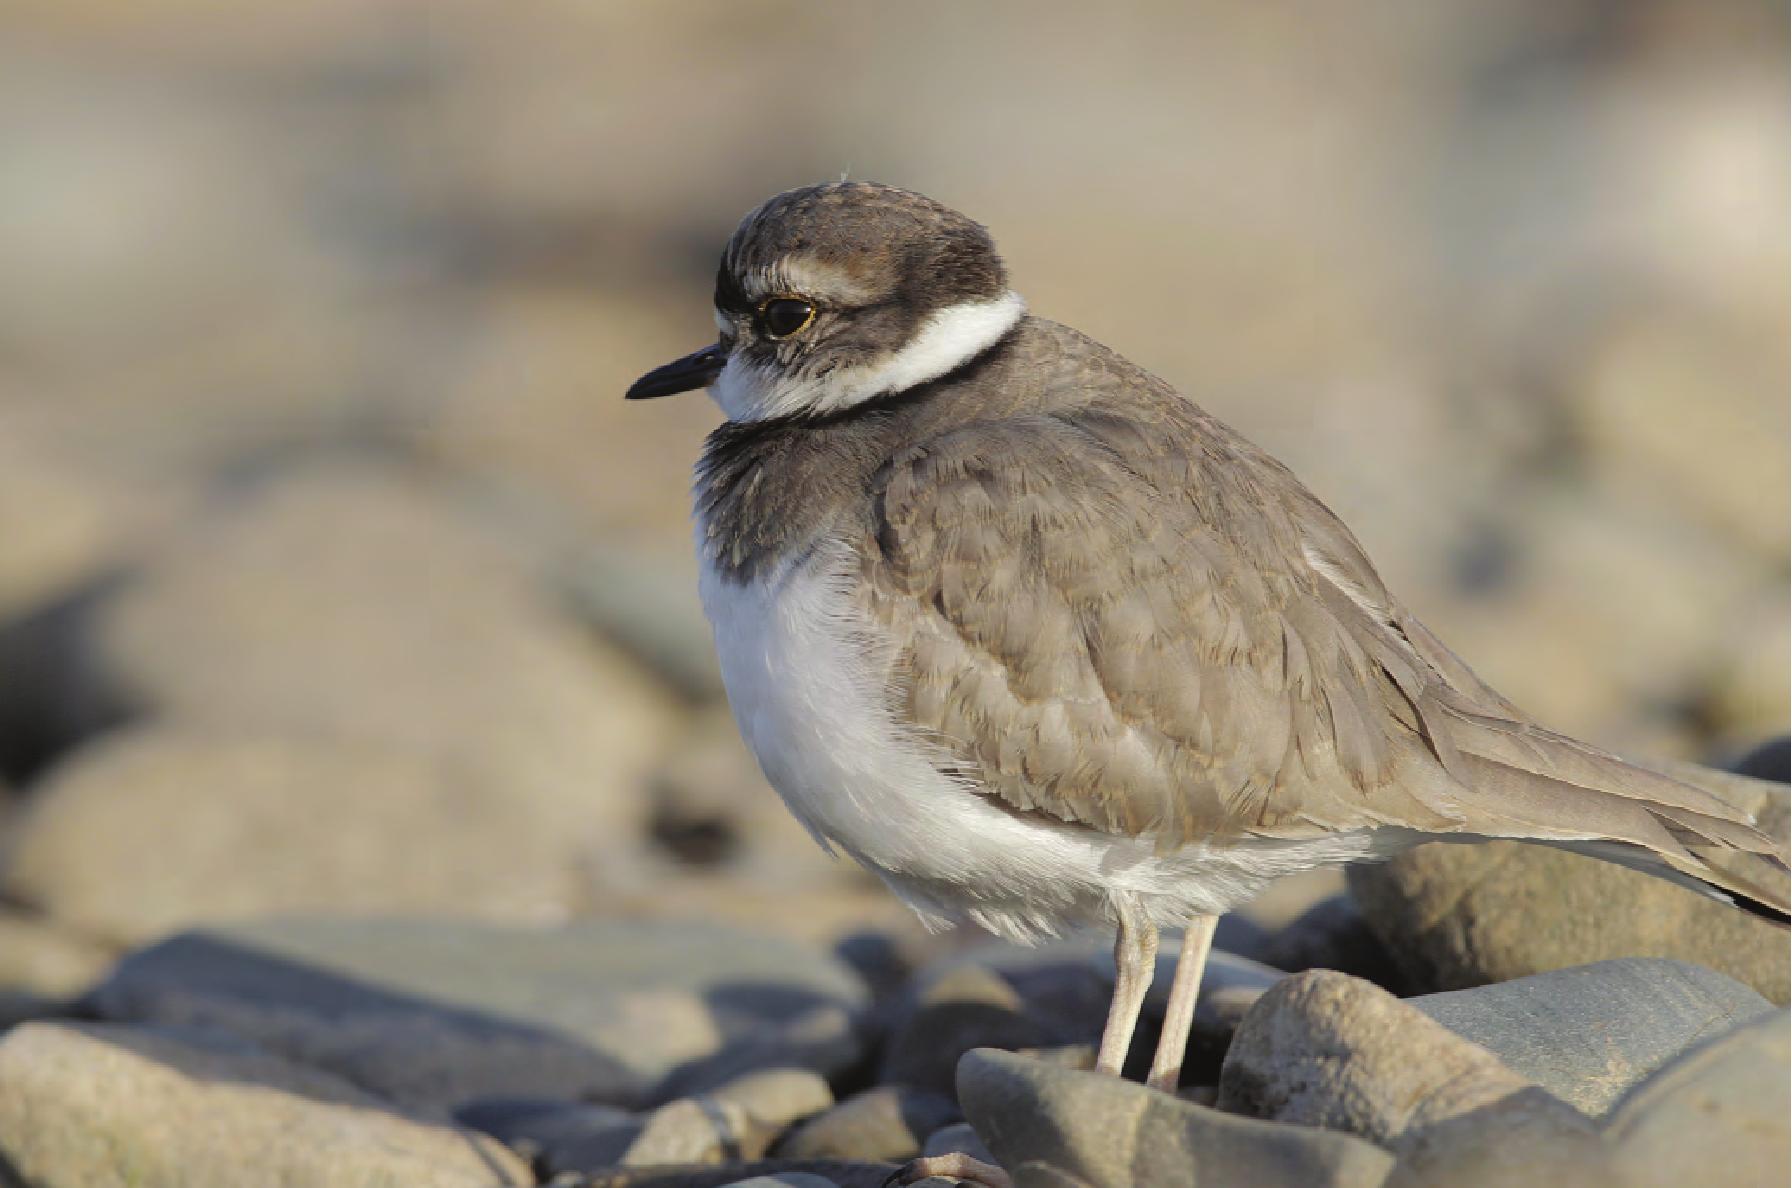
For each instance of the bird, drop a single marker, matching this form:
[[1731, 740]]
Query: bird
[[1013, 623]]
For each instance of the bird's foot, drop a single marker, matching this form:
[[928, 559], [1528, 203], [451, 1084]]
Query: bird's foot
[[955, 1166]]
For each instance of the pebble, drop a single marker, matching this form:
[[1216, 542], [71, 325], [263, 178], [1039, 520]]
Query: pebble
[[960, 1137], [889, 1122]]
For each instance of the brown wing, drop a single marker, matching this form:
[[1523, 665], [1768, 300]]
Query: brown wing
[[1112, 620], [1136, 621]]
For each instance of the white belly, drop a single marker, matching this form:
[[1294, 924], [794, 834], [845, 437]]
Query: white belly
[[805, 677]]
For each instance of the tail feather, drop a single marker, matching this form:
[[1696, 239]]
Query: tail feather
[[1522, 781]]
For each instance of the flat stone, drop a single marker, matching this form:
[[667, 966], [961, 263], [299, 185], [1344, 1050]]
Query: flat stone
[[1589, 1033], [94, 1104], [360, 603], [890, 1122], [1328, 1050], [435, 1013], [1056, 1126], [1456, 916], [334, 826], [1716, 1114]]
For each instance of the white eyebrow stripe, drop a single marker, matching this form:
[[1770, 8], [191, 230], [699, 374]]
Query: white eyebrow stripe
[[946, 340]]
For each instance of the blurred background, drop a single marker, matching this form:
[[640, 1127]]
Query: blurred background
[[336, 575]]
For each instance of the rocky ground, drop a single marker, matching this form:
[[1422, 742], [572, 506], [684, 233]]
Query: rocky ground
[[368, 811], [325, 1049], [314, 890]]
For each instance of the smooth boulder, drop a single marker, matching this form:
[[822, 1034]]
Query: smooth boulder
[[1455, 916], [92, 1104], [1589, 1033], [1053, 1125], [1328, 1050]]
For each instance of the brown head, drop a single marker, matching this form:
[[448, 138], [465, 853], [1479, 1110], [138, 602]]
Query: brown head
[[831, 295]]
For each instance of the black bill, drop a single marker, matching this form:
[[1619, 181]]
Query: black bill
[[696, 370]]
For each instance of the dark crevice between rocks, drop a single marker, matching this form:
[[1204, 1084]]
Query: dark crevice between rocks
[[52, 697], [695, 839]]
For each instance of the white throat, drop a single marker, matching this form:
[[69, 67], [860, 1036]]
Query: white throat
[[947, 339]]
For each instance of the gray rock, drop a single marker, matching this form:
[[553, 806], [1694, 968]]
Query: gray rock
[[1325, 1049], [96, 1104], [1515, 1143], [333, 827], [968, 1006], [537, 1128], [890, 1122], [785, 1180], [1332, 934], [1456, 916], [960, 1137], [736, 1121], [1056, 1126], [1589, 1033], [841, 1173], [1716, 1114], [433, 1013], [354, 602]]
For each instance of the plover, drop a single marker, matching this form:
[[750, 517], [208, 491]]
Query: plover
[[1023, 630]]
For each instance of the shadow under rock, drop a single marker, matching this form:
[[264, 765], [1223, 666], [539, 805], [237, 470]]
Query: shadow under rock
[[52, 697], [766, 1025]]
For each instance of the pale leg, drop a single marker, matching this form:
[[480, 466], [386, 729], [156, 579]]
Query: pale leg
[[1166, 1066], [1135, 960]]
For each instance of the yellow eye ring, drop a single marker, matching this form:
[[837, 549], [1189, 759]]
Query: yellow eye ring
[[781, 317]]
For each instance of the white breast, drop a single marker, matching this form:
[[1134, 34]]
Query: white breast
[[805, 671]]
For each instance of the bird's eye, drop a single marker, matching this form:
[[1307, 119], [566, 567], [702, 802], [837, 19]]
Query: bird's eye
[[783, 316]]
